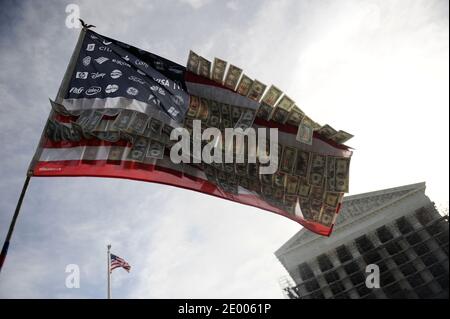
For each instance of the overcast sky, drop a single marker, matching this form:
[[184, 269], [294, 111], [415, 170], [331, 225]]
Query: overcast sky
[[377, 69]]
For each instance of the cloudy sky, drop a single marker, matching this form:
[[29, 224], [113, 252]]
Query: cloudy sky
[[378, 69]]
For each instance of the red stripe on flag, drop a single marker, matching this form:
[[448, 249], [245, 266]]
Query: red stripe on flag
[[160, 175]]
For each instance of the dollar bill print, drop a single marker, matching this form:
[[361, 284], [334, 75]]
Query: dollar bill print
[[193, 62], [292, 184], [327, 131], [317, 174], [123, 120], [203, 110], [285, 103], [331, 173], [279, 180], [155, 150], [194, 107], [264, 111], [225, 116], [60, 109], [272, 95], [218, 70], [204, 67], [341, 137], [305, 131], [256, 90], [332, 199], [137, 152], [232, 77], [288, 160], [245, 120], [328, 216], [317, 193], [115, 154], [304, 189], [214, 114], [295, 116], [244, 85], [280, 115], [302, 164], [138, 123], [342, 174]]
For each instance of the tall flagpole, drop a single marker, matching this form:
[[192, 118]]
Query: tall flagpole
[[109, 270], [62, 90], [13, 223]]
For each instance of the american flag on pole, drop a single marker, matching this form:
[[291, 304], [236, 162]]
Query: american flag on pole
[[118, 104], [117, 262]]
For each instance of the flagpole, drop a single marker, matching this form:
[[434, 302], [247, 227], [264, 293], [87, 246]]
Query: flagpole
[[62, 90], [109, 270], [5, 247]]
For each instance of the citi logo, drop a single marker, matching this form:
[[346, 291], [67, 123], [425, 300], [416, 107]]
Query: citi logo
[[93, 90], [106, 49]]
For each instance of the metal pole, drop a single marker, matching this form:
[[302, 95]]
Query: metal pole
[[109, 270], [13, 223]]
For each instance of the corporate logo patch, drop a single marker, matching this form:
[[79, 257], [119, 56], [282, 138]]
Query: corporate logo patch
[[97, 75], [115, 74], [90, 47], [132, 91], [81, 75], [101, 60], [76, 90], [111, 88], [93, 90], [87, 60]]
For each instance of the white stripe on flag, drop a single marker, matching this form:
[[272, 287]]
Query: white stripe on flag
[[221, 95]]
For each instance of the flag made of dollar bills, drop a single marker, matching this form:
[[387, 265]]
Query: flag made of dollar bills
[[118, 106]]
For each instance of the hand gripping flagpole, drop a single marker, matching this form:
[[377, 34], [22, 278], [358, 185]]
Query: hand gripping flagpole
[[59, 97], [108, 259]]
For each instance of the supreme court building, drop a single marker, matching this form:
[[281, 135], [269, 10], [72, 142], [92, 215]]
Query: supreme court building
[[397, 229]]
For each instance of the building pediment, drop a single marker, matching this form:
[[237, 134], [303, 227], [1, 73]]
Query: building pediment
[[355, 207]]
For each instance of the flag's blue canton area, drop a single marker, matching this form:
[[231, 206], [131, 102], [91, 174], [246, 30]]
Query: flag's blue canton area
[[117, 262], [109, 68]]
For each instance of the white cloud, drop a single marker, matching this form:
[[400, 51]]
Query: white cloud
[[233, 5], [196, 4]]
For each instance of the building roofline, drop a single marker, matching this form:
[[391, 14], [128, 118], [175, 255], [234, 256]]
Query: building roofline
[[412, 187]]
